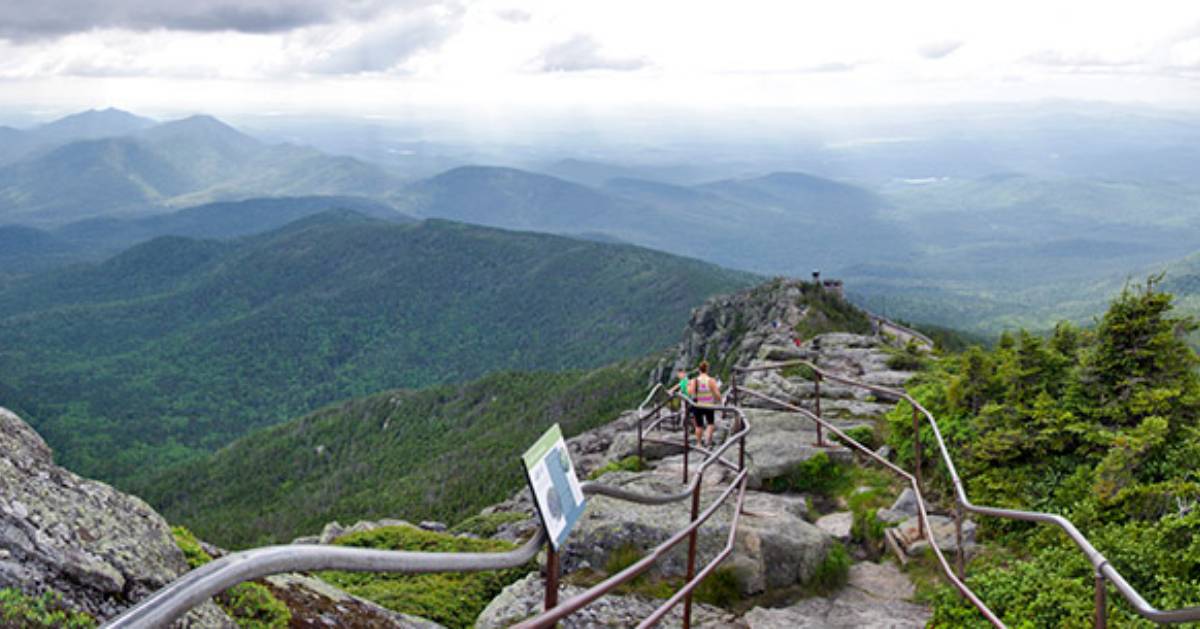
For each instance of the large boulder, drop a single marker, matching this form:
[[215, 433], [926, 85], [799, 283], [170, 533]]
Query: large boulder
[[774, 547], [315, 603], [100, 549], [779, 441], [909, 535], [876, 596], [525, 598]]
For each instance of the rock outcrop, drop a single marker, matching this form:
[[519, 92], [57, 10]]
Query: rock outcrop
[[314, 603], [876, 596], [775, 546], [524, 599], [100, 549]]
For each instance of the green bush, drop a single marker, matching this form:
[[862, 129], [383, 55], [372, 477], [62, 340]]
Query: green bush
[[453, 599], [35, 612], [801, 372], [819, 474], [721, 588], [866, 527], [627, 464], [252, 606], [487, 525], [832, 572], [862, 434], [911, 358]]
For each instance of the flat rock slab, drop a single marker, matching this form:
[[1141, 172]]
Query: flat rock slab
[[838, 525], [315, 603], [908, 534], [779, 441], [875, 597], [774, 547], [524, 599]]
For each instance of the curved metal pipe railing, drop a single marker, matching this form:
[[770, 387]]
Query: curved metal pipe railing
[[197, 586], [201, 584], [714, 457], [903, 328], [1104, 571]]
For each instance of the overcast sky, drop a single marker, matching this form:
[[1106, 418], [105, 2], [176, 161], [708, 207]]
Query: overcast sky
[[372, 57]]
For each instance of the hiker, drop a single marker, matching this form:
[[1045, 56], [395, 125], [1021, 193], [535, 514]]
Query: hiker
[[705, 393], [683, 400]]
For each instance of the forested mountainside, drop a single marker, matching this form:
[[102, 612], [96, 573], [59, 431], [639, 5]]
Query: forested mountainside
[[178, 346], [437, 453]]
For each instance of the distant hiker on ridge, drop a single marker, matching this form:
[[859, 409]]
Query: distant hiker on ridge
[[706, 394]]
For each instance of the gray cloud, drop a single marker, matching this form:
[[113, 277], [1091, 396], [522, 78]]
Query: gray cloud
[[833, 66], [583, 52], [24, 20], [516, 16], [938, 50], [385, 47], [1058, 58]]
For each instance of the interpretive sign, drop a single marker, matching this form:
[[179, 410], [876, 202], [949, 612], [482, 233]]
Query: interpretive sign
[[556, 490]]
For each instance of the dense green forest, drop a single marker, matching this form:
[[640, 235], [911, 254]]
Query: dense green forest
[[178, 346], [443, 452], [1098, 425]]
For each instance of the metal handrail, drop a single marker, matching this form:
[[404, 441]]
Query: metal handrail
[[903, 328], [197, 586], [565, 608], [1104, 570]]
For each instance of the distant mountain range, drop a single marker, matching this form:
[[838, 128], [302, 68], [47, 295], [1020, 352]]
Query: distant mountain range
[[783, 222], [1004, 247], [113, 163], [178, 345], [25, 250]]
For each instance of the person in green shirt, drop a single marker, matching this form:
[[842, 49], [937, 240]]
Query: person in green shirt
[[684, 400]]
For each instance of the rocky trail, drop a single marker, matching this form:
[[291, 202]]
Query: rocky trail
[[798, 559]]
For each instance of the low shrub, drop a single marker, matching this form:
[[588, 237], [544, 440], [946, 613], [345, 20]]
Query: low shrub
[[721, 588], [832, 572], [819, 474], [487, 525], [35, 612], [251, 605], [627, 464], [452, 599]]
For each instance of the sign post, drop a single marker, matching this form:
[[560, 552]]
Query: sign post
[[557, 495]]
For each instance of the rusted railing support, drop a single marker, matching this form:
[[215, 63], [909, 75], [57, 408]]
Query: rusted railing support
[[641, 461], [687, 448], [1101, 601], [691, 560], [817, 407], [551, 577], [960, 559], [917, 461]]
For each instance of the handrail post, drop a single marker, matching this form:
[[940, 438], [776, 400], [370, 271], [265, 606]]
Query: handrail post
[[741, 425], [961, 558], [687, 447], [691, 560], [917, 447], [1101, 603], [551, 577], [817, 406], [917, 466], [641, 461]]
